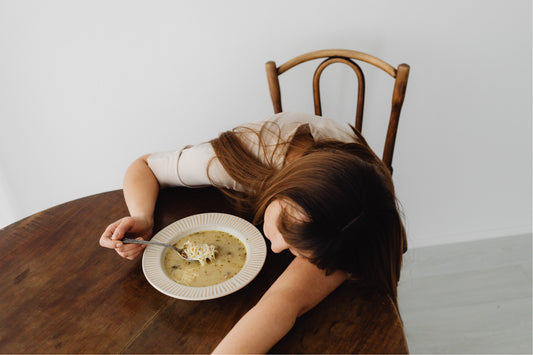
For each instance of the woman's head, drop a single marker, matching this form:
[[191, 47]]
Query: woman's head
[[336, 206]]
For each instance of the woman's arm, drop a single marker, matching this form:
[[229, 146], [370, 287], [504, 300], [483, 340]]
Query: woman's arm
[[141, 189], [142, 181], [140, 192], [301, 287]]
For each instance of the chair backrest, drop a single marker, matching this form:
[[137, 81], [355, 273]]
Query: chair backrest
[[400, 74]]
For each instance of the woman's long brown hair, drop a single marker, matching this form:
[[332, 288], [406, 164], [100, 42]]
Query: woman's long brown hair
[[346, 192]]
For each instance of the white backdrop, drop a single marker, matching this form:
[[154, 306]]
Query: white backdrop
[[87, 86]]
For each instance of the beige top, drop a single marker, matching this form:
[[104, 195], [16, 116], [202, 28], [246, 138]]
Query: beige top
[[188, 166]]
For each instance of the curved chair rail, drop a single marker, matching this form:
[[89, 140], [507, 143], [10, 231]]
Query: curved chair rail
[[389, 69]]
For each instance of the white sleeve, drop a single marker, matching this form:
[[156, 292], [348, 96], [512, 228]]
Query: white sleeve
[[188, 167]]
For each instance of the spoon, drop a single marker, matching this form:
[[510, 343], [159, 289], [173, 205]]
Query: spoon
[[181, 252]]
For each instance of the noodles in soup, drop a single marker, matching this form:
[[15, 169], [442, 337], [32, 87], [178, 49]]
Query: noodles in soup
[[229, 258]]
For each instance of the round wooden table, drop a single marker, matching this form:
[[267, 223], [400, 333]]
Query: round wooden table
[[62, 293]]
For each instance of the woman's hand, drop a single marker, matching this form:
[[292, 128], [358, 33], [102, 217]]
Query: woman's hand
[[138, 228]]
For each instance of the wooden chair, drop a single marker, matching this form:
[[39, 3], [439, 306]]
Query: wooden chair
[[347, 57]]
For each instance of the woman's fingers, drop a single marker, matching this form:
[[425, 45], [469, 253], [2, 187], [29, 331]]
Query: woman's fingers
[[105, 239], [124, 226], [111, 238], [130, 251]]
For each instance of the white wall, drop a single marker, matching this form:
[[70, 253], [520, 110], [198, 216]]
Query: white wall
[[87, 86]]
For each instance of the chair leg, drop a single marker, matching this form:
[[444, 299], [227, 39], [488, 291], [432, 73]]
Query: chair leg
[[273, 85]]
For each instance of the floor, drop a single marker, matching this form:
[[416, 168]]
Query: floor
[[468, 298]]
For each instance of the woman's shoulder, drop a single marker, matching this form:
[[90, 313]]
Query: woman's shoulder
[[320, 127]]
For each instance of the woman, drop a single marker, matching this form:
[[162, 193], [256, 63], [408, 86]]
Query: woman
[[319, 191]]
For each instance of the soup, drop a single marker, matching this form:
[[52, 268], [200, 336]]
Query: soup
[[230, 257]]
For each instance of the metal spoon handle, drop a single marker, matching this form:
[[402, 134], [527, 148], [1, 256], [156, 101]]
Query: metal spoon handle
[[136, 241]]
